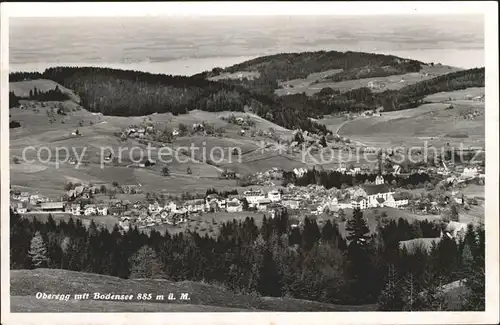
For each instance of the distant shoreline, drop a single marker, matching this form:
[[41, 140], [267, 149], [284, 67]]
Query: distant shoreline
[[178, 67], [461, 58]]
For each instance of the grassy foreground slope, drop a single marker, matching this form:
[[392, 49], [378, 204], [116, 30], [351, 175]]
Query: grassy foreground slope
[[203, 297]]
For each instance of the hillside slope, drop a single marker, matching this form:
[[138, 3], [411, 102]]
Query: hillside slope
[[23, 88], [444, 119], [133, 93], [202, 297], [273, 69]]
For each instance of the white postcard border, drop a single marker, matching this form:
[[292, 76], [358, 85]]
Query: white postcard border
[[490, 11]]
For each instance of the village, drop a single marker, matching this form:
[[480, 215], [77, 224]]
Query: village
[[301, 201]]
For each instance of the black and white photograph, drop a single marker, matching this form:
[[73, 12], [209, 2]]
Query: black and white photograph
[[243, 163]]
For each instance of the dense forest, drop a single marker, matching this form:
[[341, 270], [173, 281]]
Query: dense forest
[[288, 66], [13, 99], [308, 262]]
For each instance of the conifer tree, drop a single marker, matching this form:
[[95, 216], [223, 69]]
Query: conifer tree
[[432, 296], [474, 298], [270, 282], [357, 228], [360, 259], [391, 298], [145, 264], [38, 251]]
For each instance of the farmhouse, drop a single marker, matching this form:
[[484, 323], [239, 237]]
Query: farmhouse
[[21, 207], [74, 209], [154, 207], [274, 196], [262, 204], [234, 206], [90, 209], [124, 223], [377, 191], [195, 205], [229, 174], [470, 172], [291, 203], [455, 230], [376, 84], [102, 210], [52, 206], [117, 208], [396, 201], [253, 197], [360, 203]]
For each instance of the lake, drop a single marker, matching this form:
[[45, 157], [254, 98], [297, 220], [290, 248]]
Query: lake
[[189, 45]]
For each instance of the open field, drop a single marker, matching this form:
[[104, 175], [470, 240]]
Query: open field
[[473, 190], [462, 94], [236, 75], [22, 88], [312, 85], [98, 138], [299, 85], [26, 283], [394, 214], [432, 122]]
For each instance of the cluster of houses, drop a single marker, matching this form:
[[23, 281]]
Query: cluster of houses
[[317, 199], [20, 201]]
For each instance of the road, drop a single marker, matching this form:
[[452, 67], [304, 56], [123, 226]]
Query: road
[[357, 142]]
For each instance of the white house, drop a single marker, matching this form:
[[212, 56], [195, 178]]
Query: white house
[[360, 203], [75, 209], [124, 223], [299, 172], [455, 230], [262, 204], [90, 210], [175, 132], [345, 205], [102, 210], [253, 197], [396, 201], [171, 206], [21, 208], [291, 203], [470, 172], [379, 180], [234, 205], [154, 207], [373, 192], [212, 202], [274, 196], [195, 206]]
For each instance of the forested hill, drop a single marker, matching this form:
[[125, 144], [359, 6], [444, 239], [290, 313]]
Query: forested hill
[[287, 66], [413, 95], [134, 93], [330, 101]]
